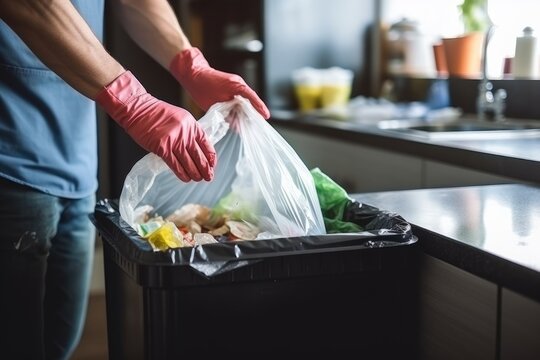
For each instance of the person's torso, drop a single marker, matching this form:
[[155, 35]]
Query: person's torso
[[48, 130]]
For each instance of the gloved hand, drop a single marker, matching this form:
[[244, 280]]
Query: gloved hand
[[166, 130], [208, 86]]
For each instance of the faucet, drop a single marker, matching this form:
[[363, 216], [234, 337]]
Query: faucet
[[487, 101]]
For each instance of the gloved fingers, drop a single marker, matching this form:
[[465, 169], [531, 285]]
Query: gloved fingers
[[197, 164], [207, 85], [206, 147], [178, 169], [198, 159], [257, 103], [183, 162], [186, 159], [186, 169], [191, 153], [204, 155]]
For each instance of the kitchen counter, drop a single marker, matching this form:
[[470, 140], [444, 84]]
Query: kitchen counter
[[518, 159], [491, 231]]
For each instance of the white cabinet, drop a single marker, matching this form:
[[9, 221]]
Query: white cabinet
[[457, 313], [360, 168], [355, 167], [438, 174], [520, 327]]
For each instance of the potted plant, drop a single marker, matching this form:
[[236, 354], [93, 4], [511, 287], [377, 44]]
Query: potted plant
[[464, 53]]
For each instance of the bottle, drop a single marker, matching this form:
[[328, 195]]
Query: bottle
[[525, 62]]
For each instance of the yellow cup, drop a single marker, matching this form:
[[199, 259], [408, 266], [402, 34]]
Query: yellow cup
[[336, 87], [308, 96], [335, 95], [322, 88], [307, 88]]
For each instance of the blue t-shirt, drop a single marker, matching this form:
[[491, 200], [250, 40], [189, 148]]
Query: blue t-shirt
[[48, 130]]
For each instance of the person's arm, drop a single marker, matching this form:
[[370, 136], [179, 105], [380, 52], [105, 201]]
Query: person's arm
[[153, 25], [63, 41]]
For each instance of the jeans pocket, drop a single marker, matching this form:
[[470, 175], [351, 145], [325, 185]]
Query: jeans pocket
[[28, 219]]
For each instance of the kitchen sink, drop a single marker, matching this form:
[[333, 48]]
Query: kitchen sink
[[463, 129]]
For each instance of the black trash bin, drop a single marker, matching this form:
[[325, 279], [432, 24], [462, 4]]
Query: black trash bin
[[332, 295]]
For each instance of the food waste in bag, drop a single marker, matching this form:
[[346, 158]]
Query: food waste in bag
[[194, 224], [261, 188]]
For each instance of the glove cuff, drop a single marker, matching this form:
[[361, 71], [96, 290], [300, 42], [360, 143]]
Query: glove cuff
[[185, 64], [120, 91], [116, 97]]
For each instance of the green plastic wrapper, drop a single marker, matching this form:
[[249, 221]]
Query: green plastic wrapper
[[334, 202]]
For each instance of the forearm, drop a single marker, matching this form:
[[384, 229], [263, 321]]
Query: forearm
[[155, 28], [63, 41], [153, 25]]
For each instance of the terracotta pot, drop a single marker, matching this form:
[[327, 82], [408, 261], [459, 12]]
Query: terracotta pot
[[464, 55], [440, 59]]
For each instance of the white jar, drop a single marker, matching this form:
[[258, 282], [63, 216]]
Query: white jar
[[409, 51], [399, 35]]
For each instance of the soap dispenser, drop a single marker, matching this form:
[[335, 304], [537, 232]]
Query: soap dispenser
[[525, 63]]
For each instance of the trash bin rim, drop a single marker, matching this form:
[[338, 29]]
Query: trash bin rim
[[134, 253]]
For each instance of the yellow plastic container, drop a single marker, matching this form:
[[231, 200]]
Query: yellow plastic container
[[335, 95], [336, 87], [308, 96], [307, 88], [322, 88]]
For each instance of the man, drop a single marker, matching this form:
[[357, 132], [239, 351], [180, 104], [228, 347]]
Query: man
[[52, 65]]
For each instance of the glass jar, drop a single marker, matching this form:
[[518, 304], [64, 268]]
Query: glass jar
[[399, 35]]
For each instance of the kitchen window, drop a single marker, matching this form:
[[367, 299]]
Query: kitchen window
[[440, 18]]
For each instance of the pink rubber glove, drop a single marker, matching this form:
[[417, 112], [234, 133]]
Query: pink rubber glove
[[166, 130], [208, 86]]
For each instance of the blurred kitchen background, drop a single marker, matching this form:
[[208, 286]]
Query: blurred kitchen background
[[265, 41]]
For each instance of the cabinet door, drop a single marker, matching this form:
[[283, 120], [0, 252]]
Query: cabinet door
[[437, 174], [355, 167], [458, 313], [520, 327]]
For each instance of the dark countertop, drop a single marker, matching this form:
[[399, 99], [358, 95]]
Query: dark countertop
[[514, 158], [491, 231]]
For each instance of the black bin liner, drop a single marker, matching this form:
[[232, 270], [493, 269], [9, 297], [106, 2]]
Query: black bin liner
[[336, 294]]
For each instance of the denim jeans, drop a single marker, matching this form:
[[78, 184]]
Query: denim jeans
[[46, 257]]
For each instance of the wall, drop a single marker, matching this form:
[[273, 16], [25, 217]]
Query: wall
[[292, 34], [316, 33]]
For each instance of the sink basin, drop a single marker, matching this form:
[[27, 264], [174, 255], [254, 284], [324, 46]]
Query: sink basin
[[463, 129]]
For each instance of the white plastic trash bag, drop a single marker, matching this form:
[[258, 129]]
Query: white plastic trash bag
[[258, 178]]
